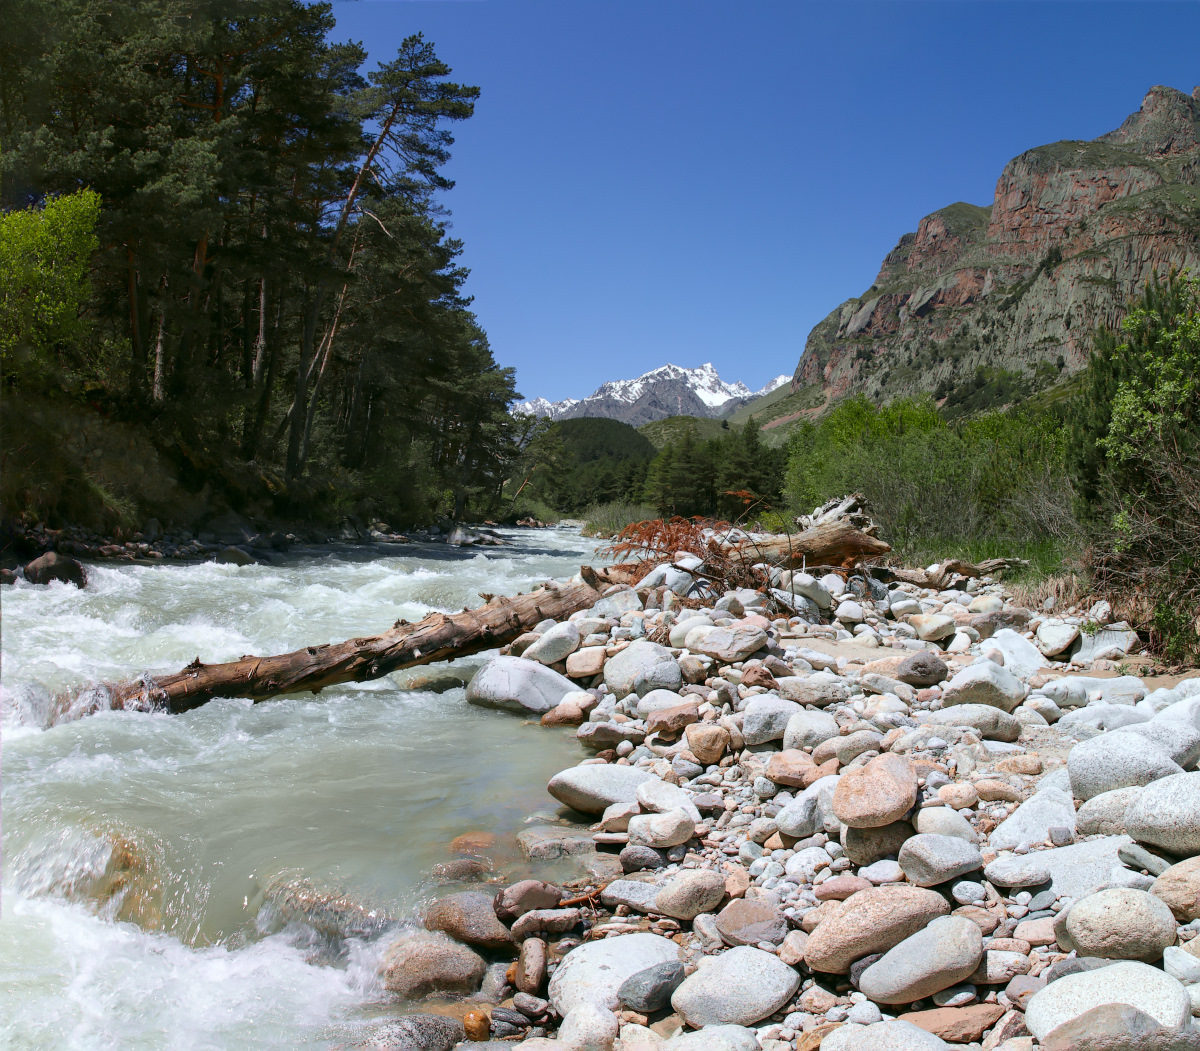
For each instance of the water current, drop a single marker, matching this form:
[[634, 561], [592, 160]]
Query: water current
[[139, 850]]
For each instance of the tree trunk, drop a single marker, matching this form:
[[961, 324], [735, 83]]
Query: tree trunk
[[438, 637], [831, 544]]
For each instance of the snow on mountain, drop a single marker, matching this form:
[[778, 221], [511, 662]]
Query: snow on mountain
[[666, 391]]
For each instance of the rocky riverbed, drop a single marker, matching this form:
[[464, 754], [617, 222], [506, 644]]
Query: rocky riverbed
[[906, 819]]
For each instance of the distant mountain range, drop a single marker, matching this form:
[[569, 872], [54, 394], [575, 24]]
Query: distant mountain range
[[655, 395]]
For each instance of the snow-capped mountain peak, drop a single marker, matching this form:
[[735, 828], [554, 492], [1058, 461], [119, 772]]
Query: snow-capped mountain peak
[[669, 390]]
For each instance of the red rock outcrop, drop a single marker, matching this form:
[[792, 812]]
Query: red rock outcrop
[[1073, 232]]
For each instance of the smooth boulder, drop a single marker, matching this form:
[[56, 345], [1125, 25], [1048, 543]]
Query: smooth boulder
[[740, 987], [595, 971], [593, 788], [943, 954], [518, 685], [1167, 815]]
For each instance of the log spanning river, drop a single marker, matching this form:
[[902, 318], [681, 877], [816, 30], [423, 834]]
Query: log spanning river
[[140, 850]]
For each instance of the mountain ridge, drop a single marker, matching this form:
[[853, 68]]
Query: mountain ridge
[[669, 390], [1015, 288]]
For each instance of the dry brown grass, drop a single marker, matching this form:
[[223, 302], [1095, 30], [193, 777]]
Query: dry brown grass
[[1067, 589]]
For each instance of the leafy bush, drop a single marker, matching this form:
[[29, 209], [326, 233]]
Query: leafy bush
[[608, 519], [1135, 452], [933, 484]]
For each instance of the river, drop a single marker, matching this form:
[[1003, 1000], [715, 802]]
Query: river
[[137, 848]]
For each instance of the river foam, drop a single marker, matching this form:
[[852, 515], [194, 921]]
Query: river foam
[[139, 848]]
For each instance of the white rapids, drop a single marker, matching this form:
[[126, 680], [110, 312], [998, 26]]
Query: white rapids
[[137, 848]]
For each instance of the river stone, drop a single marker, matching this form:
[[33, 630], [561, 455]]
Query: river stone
[[417, 1032], [637, 657], [791, 768], [660, 796], [664, 830], [1179, 889], [1032, 821], [555, 645], [518, 685], [650, 990], [690, 893], [1181, 964], [931, 627], [544, 922], [524, 896], [594, 971], [871, 921], [820, 689], [928, 860], [547, 842], [617, 603], [1117, 1027], [591, 789], [740, 987], [944, 821], [1139, 985], [877, 794], [53, 566], [766, 718], [1074, 870], [586, 1027], [707, 741], [1121, 924], [470, 918], [1105, 814], [734, 643], [679, 631], [807, 729], [865, 846], [1053, 637], [890, 1035], [666, 675], [922, 669], [1180, 740], [935, 958], [657, 701], [633, 894], [810, 588], [1168, 815], [984, 683], [748, 921], [422, 964], [1021, 657], [710, 1038], [1118, 760], [991, 722]]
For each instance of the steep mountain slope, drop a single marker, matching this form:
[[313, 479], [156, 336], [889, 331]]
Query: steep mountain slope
[[1074, 230], [655, 395]]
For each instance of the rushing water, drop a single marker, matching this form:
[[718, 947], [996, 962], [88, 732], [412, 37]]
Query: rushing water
[[138, 848]]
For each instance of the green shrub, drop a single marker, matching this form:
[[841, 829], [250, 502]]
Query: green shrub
[[608, 519], [935, 486], [1135, 452]]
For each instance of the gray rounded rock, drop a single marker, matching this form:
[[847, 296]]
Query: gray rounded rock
[[766, 717], [928, 860], [807, 729], [518, 685], [739, 987], [1117, 760], [638, 657], [1139, 985], [1167, 815], [650, 990], [555, 645], [941, 955], [1121, 923], [1105, 814], [594, 971], [922, 669], [891, 1035], [993, 723], [592, 788]]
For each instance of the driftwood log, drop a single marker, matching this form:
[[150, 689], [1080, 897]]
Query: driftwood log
[[948, 571], [831, 544], [437, 637]]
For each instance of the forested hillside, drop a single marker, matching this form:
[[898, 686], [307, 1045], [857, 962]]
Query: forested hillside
[[264, 282]]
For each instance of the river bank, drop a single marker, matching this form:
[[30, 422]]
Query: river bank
[[754, 805]]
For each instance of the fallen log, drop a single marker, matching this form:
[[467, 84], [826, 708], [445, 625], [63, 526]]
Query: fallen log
[[437, 637], [830, 544], [947, 571]]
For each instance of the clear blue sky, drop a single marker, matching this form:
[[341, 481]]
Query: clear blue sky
[[648, 181]]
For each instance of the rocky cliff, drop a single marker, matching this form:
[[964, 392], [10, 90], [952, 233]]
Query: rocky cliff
[[1074, 230]]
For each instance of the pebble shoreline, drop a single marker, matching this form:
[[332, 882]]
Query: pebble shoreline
[[905, 819]]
